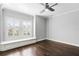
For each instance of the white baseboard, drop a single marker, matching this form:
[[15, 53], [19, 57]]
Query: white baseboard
[[7, 46], [65, 42]]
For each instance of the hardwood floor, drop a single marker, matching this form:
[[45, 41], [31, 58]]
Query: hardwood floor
[[43, 48]]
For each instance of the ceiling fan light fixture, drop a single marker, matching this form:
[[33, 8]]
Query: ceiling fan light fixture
[[46, 10]]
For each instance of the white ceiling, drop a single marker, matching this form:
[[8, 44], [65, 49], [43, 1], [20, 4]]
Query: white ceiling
[[35, 8]]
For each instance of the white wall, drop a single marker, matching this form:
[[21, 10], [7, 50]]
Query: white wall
[[40, 27], [64, 28], [0, 22]]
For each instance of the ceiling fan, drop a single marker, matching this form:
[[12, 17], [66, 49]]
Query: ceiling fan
[[48, 7]]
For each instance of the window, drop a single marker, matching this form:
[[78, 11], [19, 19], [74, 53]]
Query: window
[[17, 26]]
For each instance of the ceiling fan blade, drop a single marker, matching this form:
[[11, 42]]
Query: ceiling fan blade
[[42, 11], [51, 9], [42, 4], [54, 5]]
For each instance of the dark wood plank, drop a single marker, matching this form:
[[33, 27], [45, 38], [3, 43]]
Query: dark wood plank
[[44, 48]]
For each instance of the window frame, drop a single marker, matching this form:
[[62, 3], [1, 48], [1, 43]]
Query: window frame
[[33, 28]]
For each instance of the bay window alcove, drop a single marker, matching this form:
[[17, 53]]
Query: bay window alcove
[[17, 28]]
